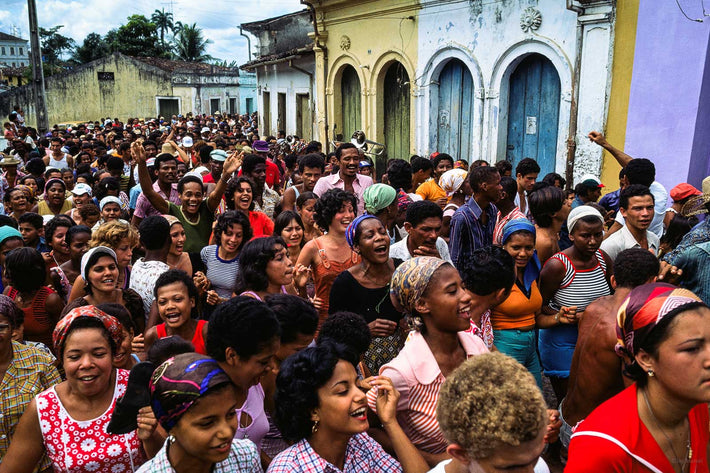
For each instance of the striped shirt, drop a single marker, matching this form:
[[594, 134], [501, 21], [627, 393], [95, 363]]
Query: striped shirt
[[580, 287], [221, 273], [417, 377], [467, 231]]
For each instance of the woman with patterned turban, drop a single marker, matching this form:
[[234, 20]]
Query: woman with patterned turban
[[195, 402], [431, 293], [660, 422], [68, 421]]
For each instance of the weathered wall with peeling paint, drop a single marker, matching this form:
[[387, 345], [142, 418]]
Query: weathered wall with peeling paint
[[491, 39], [128, 88]]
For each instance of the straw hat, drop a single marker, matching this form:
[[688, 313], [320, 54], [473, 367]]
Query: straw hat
[[695, 205]]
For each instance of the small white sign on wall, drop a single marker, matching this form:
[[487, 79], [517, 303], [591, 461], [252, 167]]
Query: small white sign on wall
[[531, 125]]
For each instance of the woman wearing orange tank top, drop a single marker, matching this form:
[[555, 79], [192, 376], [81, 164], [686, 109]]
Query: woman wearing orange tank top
[[328, 255], [514, 319]]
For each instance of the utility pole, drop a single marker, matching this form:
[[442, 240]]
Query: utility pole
[[37, 72]]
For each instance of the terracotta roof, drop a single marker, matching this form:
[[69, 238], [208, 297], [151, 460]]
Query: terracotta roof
[[9, 37], [11, 71], [184, 66], [279, 56]]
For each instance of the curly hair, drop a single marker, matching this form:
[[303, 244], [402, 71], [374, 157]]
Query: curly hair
[[229, 218], [300, 376], [112, 233], [244, 324], [253, 259], [232, 187], [330, 204], [490, 400], [296, 316], [346, 328]]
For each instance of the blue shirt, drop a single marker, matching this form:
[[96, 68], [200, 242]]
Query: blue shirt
[[468, 232], [695, 263], [699, 234]]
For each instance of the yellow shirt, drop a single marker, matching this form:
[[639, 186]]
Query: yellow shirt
[[430, 190]]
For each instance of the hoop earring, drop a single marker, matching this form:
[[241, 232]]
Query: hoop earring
[[314, 429]]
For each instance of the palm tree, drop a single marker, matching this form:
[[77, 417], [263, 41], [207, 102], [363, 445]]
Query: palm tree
[[190, 45], [177, 26], [163, 21]]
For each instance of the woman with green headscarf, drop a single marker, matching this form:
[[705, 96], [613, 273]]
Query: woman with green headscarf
[[381, 201]]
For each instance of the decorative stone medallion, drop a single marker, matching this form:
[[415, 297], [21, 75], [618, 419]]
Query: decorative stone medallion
[[530, 20]]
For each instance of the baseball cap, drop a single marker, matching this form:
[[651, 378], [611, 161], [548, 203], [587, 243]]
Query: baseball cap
[[187, 142], [365, 164], [592, 183], [205, 130], [260, 146], [81, 189], [218, 155], [683, 191]]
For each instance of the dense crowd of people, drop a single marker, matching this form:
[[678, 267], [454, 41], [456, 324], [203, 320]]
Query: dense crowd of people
[[184, 294]]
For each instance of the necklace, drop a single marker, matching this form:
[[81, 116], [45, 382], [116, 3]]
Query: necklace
[[688, 450]]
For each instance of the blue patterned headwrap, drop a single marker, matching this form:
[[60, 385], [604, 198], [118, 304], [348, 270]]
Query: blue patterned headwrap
[[352, 228], [532, 270]]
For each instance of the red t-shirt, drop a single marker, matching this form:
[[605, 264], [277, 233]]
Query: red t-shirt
[[273, 175], [261, 224], [619, 418]]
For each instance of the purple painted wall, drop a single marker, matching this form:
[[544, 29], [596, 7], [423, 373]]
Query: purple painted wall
[[666, 94]]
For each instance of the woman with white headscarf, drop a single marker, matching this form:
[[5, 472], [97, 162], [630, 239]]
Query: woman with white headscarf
[[457, 189], [569, 282]]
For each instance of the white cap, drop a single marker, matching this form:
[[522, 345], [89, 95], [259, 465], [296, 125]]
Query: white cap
[[81, 189], [187, 142]]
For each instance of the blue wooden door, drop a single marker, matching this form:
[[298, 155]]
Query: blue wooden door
[[533, 113], [453, 130]]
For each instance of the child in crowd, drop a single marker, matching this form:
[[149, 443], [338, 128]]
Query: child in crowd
[[175, 295]]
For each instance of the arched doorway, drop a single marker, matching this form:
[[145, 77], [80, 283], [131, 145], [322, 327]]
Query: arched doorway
[[453, 128], [396, 114], [351, 98], [533, 113]]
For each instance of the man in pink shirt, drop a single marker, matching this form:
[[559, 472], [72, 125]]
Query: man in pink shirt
[[166, 169], [347, 177]]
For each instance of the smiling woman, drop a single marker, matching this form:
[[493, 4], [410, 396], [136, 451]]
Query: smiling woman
[[365, 290], [432, 294], [329, 255], [85, 341], [321, 407], [196, 402]]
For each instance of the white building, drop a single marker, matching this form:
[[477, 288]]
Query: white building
[[285, 68], [496, 80], [14, 51]]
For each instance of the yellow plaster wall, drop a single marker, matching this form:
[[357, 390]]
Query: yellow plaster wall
[[622, 69], [378, 33], [81, 96]]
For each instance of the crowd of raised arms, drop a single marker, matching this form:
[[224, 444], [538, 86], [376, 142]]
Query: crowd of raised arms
[[185, 294]]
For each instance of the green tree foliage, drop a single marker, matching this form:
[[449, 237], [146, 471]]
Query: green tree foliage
[[138, 37], [163, 21], [94, 47], [54, 45], [190, 45]]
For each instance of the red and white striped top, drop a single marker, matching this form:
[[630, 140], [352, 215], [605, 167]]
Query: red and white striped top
[[416, 375]]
